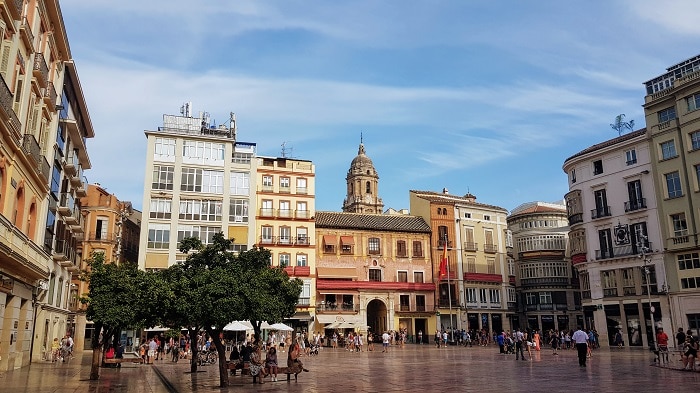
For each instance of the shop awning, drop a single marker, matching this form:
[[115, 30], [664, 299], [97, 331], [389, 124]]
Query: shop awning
[[347, 240], [330, 239], [301, 315], [326, 319], [336, 272]]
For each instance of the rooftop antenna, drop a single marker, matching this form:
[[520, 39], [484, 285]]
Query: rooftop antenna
[[360, 137], [287, 151]]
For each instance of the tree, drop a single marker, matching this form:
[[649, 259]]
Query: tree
[[621, 125], [214, 287], [115, 300]]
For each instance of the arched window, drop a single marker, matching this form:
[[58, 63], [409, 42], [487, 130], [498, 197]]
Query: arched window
[[31, 222], [2, 184], [19, 208], [439, 211], [368, 189]]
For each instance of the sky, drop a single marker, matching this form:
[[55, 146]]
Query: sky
[[480, 96]]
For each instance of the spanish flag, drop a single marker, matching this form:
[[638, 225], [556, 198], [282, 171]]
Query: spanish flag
[[443, 262]]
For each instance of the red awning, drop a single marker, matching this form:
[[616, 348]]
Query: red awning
[[347, 240]]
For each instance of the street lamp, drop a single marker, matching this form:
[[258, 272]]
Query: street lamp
[[641, 244]]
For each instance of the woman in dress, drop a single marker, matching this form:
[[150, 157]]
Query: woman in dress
[[536, 340], [271, 363], [257, 368]]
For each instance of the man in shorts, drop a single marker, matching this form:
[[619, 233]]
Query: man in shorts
[[385, 342]]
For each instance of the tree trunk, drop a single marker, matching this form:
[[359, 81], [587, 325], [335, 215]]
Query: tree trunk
[[95, 366], [221, 351], [193, 347]]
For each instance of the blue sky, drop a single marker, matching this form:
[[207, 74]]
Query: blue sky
[[485, 96]]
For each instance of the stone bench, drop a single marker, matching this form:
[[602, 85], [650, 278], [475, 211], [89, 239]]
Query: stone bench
[[233, 366]]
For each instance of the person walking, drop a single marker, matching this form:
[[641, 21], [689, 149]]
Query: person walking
[[385, 342], [580, 339], [519, 337], [662, 341]]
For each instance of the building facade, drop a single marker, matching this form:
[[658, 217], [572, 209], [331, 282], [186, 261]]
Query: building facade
[[111, 228], [476, 289], [546, 285], [673, 130], [615, 239], [374, 274], [199, 170], [285, 224], [44, 124]]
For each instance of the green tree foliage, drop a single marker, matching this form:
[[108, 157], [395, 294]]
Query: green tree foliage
[[114, 301], [214, 287], [620, 124]]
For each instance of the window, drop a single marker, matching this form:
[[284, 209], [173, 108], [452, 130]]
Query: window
[[631, 156], [267, 183], [609, 282], [606, 243], [418, 277], [680, 227], [495, 296], [471, 265], [203, 233], [511, 295], [597, 167], [628, 278], [301, 185], [491, 265], [545, 297], [404, 302], [601, 204], [511, 267], [487, 218], [673, 185], [241, 158], [158, 235], [302, 236], [302, 212], [420, 302], [284, 260], [417, 249], [285, 211], [101, 226], [482, 295], [284, 184], [201, 152], [266, 235], [301, 260], [328, 248], [240, 183], [375, 275], [191, 180], [56, 180], [373, 245], [286, 236], [368, 189], [688, 261], [238, 210], [402, 276], [213, 182], [401, 250], [266, 208], [690, 282], [160, 208], [572, 176], [531, 298], [164, 149], [162, 177], [200, 210], [471, 295], [634, 191], [667, 114], [442, 236], [694, 324], [695, 140], [668, 150], [693, 102]]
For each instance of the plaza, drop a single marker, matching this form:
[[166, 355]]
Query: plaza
[[413, 368]]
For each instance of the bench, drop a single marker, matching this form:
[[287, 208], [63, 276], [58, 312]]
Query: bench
[[127, 358], [233, 366]]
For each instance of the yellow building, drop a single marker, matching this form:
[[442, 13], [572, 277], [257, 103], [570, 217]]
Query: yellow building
[[285, 223], [43, 126]]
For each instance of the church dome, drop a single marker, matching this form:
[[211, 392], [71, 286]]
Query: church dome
[[361, 163]]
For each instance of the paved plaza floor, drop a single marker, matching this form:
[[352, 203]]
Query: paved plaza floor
[[413, 368]]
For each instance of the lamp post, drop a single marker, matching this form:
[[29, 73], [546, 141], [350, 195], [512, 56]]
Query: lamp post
[[641, 244]]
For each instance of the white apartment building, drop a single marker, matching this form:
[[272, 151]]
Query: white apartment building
[[199, 181], [615, 240]]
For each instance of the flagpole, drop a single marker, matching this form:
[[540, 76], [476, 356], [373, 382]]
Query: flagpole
[[449, 290]]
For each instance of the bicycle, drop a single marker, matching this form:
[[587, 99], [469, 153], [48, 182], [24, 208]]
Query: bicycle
[[207, 357]]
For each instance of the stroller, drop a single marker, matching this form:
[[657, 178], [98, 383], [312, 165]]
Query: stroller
[[314, 349], [510, 345]]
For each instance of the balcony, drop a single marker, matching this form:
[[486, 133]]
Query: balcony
[[77, 180], [284, 213], [302, 214], [41, 70], [636, 205], [324, 307], [302, 190], [14, 8], [445, 303], [629, 291], [73, 218], [575, 218], [101, 237], [285, 190], [268, 188], [416, 308], [66, 204], [267, 212], [25, 31], [70, 166], [620, 251], [33, 151], [6, 101], [301, 241], [441, 244], [62, 251], [610, 292], [490, 248], [81, 189], [471, 246], [50, 96], [682, 239], [600, 212]]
